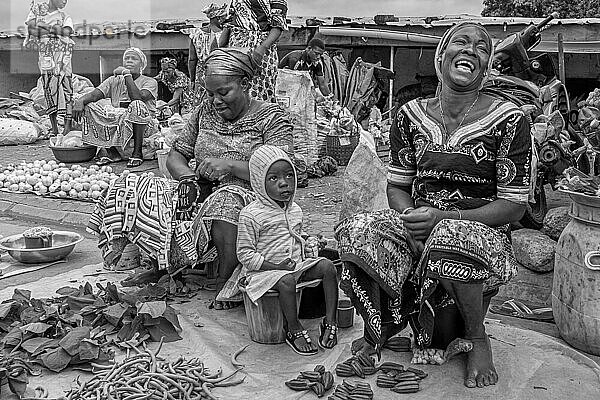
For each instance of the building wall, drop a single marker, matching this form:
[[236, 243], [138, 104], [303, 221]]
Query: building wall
[[18, 71]]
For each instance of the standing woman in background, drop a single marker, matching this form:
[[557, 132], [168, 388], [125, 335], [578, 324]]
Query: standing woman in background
[[257, 25], [202, 42]]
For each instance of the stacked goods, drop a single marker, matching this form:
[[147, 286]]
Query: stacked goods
[[318, 380], [394, 377], [352, 390], [360, 365], [294, 92], [593, 98], [148, 376], [577, 181], [56, 179]]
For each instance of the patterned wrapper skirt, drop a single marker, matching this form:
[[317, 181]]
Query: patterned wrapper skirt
[[390, 285], [56, 73], [107, 126], [141, 210], [263, 83]]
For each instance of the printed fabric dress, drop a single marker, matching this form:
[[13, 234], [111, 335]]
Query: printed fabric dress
[[179, 81], [55, 54], [202, 42], [250, 22], [142, 210], [482, 161]]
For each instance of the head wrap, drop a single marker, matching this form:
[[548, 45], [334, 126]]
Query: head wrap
[[441, 48], [139, 54], [215, 11], [231, 61], [171, 62]]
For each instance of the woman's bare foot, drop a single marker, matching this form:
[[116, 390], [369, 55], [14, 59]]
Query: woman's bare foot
[[360, 345], [480, 366]]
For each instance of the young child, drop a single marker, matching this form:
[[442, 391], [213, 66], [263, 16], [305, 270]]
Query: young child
[[50, 28], [271, 250]]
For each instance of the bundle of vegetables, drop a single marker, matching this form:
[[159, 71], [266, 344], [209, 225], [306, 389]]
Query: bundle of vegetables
[[56, 179], [148, 376], [352, 390], [318, 380], [577, 181], [400, 380]]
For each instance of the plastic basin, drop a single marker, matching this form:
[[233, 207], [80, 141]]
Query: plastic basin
[[74, 154]]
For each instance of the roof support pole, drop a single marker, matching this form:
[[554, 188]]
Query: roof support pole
[[391, 92]]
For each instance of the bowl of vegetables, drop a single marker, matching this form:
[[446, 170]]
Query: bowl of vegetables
[[63, 243]]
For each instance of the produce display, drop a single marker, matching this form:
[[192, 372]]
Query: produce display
[[56, 179], [577, 181], [593, 98], [318, 380]]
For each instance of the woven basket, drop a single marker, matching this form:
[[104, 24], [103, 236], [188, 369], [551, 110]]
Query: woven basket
[[340, 152]]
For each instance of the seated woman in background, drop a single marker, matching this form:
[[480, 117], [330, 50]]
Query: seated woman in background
[[171, 224], [130, 113], [459, 175], [178, 84]]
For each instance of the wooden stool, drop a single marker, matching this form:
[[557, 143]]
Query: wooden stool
[[265, 319]]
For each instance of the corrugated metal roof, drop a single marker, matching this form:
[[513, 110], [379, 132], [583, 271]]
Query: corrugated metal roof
[[142, 28]]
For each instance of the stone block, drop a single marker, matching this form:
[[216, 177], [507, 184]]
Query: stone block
[[534, 250], [37, 213], [555, 221]]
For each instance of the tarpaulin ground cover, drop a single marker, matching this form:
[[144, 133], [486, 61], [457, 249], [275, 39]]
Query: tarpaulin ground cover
[[531, 365]]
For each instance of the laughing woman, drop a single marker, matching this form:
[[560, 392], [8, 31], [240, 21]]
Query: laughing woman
[[459, 175]]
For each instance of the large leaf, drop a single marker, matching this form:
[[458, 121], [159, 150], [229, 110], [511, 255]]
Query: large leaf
[[33, 345], [36, 327], [159, 328], [68, 291], [153, 308], [5, 309], [30, 314], [171, 316], [13, 338], [70, 343], [22, 295], [52, 344], [88, 350], [56, 360], [76, 303], [114, 313], [18, 384]]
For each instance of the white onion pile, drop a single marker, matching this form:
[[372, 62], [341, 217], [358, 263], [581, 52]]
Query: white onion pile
[[57, 179]]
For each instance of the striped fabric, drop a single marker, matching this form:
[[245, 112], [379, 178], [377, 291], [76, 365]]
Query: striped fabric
[[268, 232], [258, 15]]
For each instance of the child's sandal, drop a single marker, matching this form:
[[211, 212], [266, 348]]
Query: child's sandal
[[290, 339], [332, 334]]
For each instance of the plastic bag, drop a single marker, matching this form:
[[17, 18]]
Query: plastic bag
[[365, 180], [15, 132]]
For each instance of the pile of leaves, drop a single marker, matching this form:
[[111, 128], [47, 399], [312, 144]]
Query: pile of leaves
[[78, 327]]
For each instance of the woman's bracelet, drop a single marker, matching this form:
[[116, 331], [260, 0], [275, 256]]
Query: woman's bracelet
[[407, 210]]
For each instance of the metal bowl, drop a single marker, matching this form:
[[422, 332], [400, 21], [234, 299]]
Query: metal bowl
[[63, 243], [74, 154]]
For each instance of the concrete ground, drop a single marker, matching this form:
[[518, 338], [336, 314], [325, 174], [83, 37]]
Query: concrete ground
[[321, 203]]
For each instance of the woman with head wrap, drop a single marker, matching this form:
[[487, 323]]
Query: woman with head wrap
[[131, 113], [459, 175], [178, 84], [257, 24], [202, 42], [170, 223]]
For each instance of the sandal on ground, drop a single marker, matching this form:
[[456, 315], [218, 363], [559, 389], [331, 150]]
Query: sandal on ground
[[332, 334], [106, 160], [134, 162], [224, 305], [290, 339], [518, 309]]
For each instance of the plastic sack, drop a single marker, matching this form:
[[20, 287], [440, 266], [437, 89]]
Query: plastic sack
[[176, 126], [16, 132], [365, 180], [294, 92], [71, 139]]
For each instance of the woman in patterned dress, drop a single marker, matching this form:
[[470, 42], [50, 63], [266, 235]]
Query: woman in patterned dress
[[459, 175], [257, 25], [163, 217], [178, 84]]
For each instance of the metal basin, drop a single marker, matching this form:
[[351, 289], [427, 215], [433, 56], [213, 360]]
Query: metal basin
[[63, 243]]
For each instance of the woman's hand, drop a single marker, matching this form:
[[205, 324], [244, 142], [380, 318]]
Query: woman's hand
[[213, 169], [287, 264], [78, 108], [119, 71], [258, 54], [421, 221]]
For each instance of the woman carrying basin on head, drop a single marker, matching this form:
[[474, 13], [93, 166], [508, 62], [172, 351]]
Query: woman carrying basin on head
[[459, 175]]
